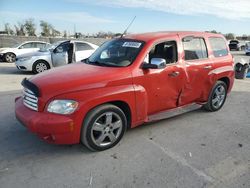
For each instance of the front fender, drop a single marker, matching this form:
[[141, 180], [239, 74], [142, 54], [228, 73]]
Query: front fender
[[89, 99]]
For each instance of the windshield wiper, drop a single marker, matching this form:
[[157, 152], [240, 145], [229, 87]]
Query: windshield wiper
[[103, 64]]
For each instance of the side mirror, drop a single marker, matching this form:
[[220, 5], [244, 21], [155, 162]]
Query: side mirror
[[155, 63]]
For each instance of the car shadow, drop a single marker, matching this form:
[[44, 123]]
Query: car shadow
[[10, 68], [16, 141]]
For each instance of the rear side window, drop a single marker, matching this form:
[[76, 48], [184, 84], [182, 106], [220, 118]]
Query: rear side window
[[219, 46], [194, 48], [40, 45], [82, 46], [27, 45]]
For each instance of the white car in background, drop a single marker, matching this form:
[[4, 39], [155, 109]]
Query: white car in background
[[9, 54], [58, 54]]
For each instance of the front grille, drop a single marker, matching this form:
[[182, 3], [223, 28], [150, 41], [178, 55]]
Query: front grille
[[29, 99]]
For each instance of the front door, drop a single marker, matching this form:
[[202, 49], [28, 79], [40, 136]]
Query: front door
[[60, 55], [163, 86]]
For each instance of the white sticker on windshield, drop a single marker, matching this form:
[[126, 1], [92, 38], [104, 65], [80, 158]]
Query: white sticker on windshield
[[132, 44]]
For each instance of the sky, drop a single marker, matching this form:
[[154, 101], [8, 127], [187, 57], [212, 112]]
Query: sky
[[92, 16]]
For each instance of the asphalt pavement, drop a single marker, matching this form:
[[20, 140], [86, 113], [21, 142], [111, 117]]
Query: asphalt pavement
[[197, 149]]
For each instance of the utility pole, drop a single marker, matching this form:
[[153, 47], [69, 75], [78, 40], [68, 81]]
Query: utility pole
[[75, 30]]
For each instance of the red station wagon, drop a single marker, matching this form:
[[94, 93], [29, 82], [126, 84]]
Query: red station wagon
[[126, 82]]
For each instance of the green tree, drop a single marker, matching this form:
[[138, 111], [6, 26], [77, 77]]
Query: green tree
[[30, 27]]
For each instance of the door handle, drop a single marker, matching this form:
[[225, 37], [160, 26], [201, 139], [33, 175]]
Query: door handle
[[208, 67], [174, 74]]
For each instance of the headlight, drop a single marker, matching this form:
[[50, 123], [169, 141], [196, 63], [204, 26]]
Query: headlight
[[62, 106], [24, 58]]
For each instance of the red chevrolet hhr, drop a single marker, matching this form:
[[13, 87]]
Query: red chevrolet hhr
[[124, 83]]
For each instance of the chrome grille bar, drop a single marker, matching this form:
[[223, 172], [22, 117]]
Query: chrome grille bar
[[29, 99]]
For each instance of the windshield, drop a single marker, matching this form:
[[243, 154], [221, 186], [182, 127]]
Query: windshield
[[16, 45], [116, 53], [50, 47]]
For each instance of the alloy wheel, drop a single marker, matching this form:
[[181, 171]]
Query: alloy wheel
[[41, 67], [218, 96], [106, 129], [10, 57]]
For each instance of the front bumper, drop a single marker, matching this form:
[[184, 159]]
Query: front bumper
[[24, 65], [53, 128], [1, 57]]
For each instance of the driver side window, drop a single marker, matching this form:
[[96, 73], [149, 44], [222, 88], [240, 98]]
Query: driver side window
[[27, 45], [165, 50], [62, 48]]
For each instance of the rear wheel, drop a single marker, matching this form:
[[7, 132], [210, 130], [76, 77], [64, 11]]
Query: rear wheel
[[103, 127], [40, 66], [10, 57], [217, 97]]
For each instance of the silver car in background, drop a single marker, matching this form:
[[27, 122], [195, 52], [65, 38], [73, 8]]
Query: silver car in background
[[58, 54]]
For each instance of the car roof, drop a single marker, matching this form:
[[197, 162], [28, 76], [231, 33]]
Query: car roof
[[163, 34], [35, 41]]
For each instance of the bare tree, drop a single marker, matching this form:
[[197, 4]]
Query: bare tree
[[65, 34], [7, 29], [54, 32], [46, 27], [244, 37], [30, 27], [20, 31], [229, 36]]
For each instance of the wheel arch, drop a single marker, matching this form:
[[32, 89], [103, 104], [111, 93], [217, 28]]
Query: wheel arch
[[226, 80], [41, 60], [124, 106]]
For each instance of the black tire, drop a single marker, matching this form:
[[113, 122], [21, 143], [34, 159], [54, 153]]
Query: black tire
[[40, 66], [10, 57], [211, 104], [95, 119]]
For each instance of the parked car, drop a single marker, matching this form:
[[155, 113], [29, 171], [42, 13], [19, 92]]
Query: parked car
[[126, 82], [234, 45], [247, 48], [58, 54], [9, 54]]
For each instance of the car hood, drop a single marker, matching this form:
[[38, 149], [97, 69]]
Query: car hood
[[4, 49], [38, 53], [79, 77]]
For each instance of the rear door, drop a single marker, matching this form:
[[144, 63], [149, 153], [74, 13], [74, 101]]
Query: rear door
[[82, 51], [198, 66]]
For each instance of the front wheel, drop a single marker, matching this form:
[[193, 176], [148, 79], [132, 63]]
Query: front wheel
[[40, 66], [217, 97], [103, 127], [10, 57]]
